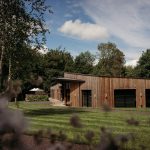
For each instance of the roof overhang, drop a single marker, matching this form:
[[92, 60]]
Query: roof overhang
[[70, 80]]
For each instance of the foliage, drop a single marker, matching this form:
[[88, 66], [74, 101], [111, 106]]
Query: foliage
[[48, 66], [24, 19], [143, 66], [36, 97], [58, 59], [23, 66], [129, 71], [22, 24], [55, 63], [84, 63], [111, 60], [24, 69]]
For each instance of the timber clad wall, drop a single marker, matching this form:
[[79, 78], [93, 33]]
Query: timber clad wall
[[56, 92], [102, 89]]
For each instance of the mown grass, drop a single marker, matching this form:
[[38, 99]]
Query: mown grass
[[43, 116]]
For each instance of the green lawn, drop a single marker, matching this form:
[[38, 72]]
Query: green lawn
[[43, 116]]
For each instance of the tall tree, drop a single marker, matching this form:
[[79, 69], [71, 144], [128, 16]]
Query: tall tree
[[143, 65], [84, 63], [21, 24], [111, 61]]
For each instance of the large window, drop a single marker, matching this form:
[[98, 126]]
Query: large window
[[125, 98]]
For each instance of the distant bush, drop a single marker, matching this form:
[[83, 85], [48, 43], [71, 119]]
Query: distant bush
[[35, 97]]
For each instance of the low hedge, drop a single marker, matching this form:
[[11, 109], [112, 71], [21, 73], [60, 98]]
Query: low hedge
[[35, 97]]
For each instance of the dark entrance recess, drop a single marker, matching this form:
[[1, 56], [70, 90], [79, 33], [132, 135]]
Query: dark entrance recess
[[125, 98], [67, 95], [65, 91], [147, 97], [87, 98]]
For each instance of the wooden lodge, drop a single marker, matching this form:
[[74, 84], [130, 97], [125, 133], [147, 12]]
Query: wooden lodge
[[81, 90]]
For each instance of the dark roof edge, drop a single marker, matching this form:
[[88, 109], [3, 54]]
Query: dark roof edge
[[107, 76], [69, 79]]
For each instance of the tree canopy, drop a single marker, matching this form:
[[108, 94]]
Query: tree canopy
[[143, 65], [84, 63], [129, 71], [111, 61], [22, 25], [55, 63]]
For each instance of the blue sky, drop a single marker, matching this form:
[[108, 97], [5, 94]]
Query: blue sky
[[80, 25]]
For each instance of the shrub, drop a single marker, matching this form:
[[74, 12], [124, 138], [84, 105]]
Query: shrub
[[33, 97]]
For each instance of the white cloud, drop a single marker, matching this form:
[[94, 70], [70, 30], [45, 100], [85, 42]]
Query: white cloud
[[84, 31], [132, 57], [131, 62], [127, 20]]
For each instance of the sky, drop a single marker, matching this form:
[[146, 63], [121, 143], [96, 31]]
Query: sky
[[80, 25]]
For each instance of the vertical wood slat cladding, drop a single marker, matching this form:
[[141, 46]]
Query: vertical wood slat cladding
[[103, 89], [75, 95], [56, 92]]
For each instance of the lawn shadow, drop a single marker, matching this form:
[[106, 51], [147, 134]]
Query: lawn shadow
[[52, 111]]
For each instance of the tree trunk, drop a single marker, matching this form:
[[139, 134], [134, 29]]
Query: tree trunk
[[10, 73], [1, 63], [1, 60]]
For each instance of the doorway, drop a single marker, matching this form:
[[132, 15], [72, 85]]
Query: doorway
[[65, 92], [86, 98], [147, 97]]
